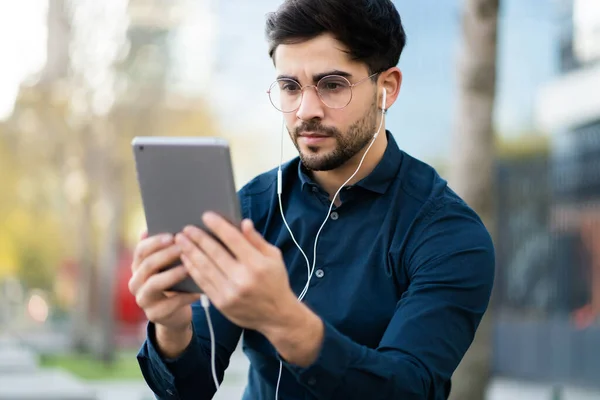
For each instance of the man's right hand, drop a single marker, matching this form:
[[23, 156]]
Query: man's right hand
[[170, 312]]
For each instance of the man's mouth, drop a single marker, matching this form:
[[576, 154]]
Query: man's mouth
[[313, 135], [313, 139]]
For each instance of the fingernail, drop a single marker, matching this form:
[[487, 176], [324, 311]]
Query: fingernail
[[167, 239], [209, 216], [181, 240]]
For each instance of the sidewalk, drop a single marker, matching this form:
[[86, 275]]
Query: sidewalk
[[510, 389], [235, 377], [22, 378], [232, 388]]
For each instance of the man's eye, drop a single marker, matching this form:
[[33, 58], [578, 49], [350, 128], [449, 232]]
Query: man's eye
[[332, 86], [290, 87]]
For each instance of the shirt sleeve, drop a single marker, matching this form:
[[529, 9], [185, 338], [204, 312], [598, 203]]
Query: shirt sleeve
[[189, 376], [450, 264]]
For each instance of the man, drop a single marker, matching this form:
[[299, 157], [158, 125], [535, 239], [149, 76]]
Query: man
[[404, 268]]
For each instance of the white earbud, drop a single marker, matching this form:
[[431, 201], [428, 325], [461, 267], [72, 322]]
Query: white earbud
[[310, 268], [382, 114]]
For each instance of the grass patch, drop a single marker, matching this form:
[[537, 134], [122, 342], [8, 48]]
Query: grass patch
[[86, 367]]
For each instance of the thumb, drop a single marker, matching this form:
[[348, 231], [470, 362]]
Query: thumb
[[188, 298]]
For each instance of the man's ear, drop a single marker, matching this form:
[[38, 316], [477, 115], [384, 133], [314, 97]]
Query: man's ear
[[391, 82]]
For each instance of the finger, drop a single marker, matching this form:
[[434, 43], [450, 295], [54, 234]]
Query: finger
[[144, 234], [153, 264], [198, 259], [168, 306], [195, 239], [231, 236], [153, 289], [148, 246], [256, 239], [206, 276]]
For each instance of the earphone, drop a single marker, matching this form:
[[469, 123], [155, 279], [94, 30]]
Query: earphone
[[279, 173], [310, 269], [205, 302]]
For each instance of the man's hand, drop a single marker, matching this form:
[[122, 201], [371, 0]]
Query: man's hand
[[170, 312], [246, 279], [249, 283]]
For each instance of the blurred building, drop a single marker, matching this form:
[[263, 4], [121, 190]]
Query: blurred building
[[161, 54], [548, 311], [185, 51], [181, 36], [241, 76]]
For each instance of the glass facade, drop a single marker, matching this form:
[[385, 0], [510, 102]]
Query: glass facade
[[548, 286]]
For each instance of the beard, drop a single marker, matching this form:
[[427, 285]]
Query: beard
[[346, 147]]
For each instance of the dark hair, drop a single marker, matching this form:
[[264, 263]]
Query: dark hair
[[370, 29]]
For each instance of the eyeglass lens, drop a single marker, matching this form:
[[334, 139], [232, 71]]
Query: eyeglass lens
[[334, 91]]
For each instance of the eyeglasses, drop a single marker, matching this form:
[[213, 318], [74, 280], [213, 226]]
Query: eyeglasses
[[334, 91]]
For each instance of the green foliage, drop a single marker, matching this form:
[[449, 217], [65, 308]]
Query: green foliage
[[30, 240], [86, 367], [40, 150], [523, 146], [35, 270]]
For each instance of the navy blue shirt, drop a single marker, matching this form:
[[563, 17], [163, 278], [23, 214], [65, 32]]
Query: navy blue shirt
[[403, 276]]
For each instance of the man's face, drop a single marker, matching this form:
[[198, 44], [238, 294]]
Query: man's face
[[327, 138]]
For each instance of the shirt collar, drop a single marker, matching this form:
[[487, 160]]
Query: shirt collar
[[380, 179]]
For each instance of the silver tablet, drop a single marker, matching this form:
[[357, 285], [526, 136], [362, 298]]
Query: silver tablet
[[179, 179]]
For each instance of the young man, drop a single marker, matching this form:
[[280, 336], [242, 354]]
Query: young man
[[404, 268]]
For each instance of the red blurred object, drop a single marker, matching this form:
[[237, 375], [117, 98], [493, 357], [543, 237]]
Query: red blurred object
[[126, 309]]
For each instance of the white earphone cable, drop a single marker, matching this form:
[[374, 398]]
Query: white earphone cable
[[310, 269], [206, 305], [279, 191]]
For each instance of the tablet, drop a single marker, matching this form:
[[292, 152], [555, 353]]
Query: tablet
[[179, 179]]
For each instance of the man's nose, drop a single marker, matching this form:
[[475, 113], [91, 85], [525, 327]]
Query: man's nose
[[311, 106]]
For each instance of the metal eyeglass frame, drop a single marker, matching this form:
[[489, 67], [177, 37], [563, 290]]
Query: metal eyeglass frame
[[350, 85]]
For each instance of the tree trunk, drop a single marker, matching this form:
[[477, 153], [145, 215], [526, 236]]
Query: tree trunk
[[59, 35], [108, 260], [472, 162], [80, 336], [83, 150], [111, 192]]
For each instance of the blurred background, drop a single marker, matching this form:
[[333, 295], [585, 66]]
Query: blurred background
[[80, 78]]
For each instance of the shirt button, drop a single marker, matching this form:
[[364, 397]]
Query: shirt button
[[312, 381], [334, 216], [320, 273]]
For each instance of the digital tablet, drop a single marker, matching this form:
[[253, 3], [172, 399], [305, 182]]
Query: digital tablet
[[179, 179]]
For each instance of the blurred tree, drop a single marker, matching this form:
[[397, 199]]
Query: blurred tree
[[8, 251], [8, 248], [22, 210], [65, 156], [471, 170]]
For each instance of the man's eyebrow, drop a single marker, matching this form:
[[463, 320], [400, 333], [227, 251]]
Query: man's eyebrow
[[293, 78], [318, 77]]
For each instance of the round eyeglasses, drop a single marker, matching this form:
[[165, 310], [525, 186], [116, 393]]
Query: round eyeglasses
[[335, 91]]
